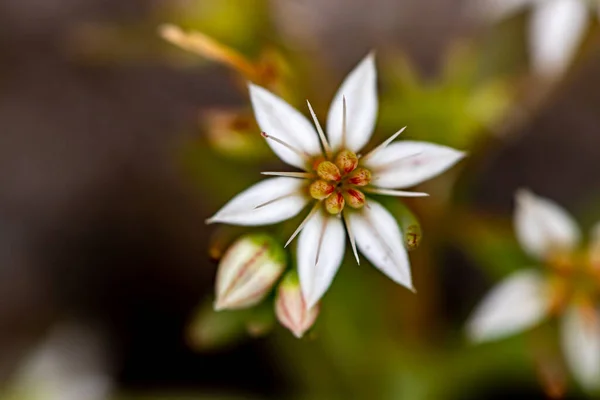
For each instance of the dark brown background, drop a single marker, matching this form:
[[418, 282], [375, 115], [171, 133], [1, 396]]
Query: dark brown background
[[96, 222]]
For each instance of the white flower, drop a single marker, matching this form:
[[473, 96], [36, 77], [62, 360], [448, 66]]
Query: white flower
[[567, 288], [556, 28], [335, 180]]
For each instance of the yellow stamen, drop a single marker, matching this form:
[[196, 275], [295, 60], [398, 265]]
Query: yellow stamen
[[328, 171], [334, 204]]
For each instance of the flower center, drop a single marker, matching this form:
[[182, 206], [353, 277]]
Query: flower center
[[338, 182], [573, 275]]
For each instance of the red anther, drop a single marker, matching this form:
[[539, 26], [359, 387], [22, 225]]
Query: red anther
[[346, 161], [328, 171], [320, 189], [334, 204], [360, 177], [354, 198]]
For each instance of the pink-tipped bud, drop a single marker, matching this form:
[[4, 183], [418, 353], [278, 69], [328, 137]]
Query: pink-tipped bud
[[328, 171], [346, 161], [354, 198], [321, 189], [334, 204], [360, 177], [248, 271], [290, 306]]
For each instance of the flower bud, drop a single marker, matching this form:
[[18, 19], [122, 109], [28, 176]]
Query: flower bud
[[346, 161], [248, 271], [321, 189], [328, 171], [334, 204], [354, 198], [290, 306], [360, 177]]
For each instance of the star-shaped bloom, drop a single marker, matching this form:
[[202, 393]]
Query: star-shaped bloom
[[568, 287], [555, 31], [334, 182]]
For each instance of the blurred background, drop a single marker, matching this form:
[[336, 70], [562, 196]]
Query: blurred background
[[115, 146]]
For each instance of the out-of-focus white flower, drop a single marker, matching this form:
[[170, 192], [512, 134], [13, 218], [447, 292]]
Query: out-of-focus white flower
[[248, 271], [567, 288], [555, 31], [334, 181], [290, 306], [71, 364], [517, 303]]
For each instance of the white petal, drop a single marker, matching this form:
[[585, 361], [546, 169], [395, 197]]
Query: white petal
[[277, 199], [556, 31], [396, 193], [360, 90], [581, 346], [515, 304], [542, 226], [408, 163], [278, 119], [379, 238], [320, 252]]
